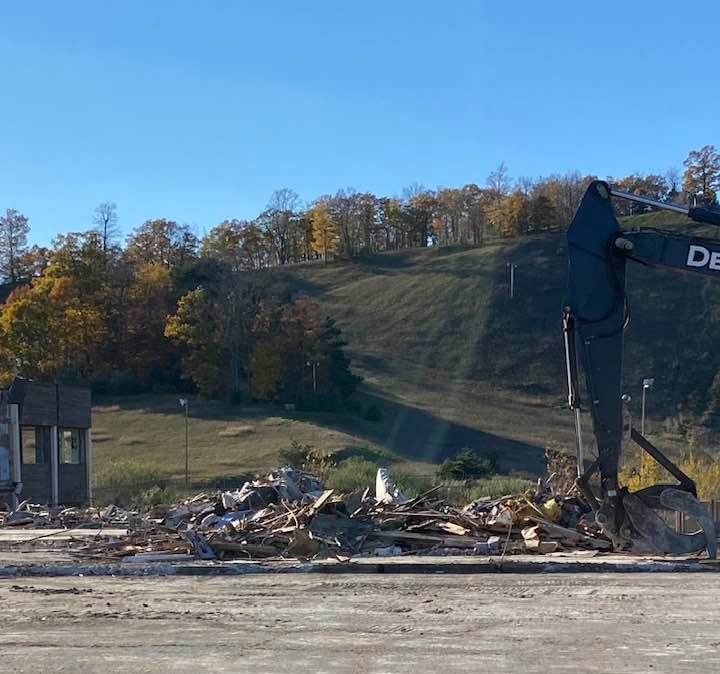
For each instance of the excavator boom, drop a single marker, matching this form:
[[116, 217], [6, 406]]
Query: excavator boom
[[594, 319]]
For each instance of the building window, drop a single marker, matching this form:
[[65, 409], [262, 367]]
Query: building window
[[35, 441], [71, 443]]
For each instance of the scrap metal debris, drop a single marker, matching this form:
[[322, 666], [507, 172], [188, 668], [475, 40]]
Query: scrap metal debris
[[289, 515]]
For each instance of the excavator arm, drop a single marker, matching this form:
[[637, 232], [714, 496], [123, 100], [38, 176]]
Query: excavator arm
[[594, 319]]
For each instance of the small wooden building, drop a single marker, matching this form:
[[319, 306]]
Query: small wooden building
[[49, 425]]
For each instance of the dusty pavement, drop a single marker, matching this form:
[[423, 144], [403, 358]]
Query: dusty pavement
[[401, 623]]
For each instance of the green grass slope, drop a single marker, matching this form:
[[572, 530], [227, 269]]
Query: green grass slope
[[452, 358], [435, 333]]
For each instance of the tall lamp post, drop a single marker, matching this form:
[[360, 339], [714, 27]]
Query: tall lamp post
[[185, 404], [647, 386]]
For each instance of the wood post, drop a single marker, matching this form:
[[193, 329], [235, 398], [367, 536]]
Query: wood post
[[54, 466], [15, 458], [88, 464]]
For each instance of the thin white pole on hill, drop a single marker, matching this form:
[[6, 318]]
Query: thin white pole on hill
[[185, 403], [511, 267]]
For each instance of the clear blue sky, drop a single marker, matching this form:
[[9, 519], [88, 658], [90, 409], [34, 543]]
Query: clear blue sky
[[197, 111]]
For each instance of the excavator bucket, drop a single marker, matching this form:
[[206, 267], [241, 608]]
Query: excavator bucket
[[650, 534]]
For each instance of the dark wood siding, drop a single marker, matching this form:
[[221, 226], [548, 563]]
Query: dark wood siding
[[36, 482], [73, 483], [74, 411], [51, 405], [38, 406]]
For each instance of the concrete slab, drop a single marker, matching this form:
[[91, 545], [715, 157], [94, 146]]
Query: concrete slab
[[18, 535], [64, 563], [363, 624]]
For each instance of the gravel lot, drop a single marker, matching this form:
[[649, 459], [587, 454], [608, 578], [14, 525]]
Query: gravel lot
[[381, 624]]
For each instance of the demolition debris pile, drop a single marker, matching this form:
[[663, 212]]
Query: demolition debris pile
[[289, 514]]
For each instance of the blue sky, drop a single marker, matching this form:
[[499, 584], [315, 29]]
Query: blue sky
[[197, 111]]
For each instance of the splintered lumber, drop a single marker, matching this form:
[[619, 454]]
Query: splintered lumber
[[419, 499], [570, 536], [321, 500], [541, 547], [534, 543], [289, 514], [433, 525], [426, 539], [452, 528]]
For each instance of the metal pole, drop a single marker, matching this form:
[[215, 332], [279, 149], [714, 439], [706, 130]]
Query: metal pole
[[314, 365], [675, 208], [642, 417], [187, 450], [579, 445]]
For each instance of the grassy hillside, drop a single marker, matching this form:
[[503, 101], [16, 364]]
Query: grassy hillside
[[224, 440], [450, 359], [436, 332]]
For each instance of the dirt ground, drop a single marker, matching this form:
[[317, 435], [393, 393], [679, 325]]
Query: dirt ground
[[380, 624]]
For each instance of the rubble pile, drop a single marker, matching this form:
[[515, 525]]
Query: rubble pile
[[59, 517], [289, 514]]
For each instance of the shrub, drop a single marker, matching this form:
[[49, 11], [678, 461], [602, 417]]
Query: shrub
[[706, 473], [468, 464], [699, 466], [319, 463], [157, 496], [352, 475], [311, 459], [295, 455], [494, 487], [123, 481], [377, 455], [412, 484]]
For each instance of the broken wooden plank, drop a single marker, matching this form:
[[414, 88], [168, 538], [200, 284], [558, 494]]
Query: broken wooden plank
[[418, 499], [452, 528], [570, 536], [321, 500], [541, 547], [429, 539]]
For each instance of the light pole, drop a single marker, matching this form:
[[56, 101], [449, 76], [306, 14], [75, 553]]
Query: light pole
[[313, 365], [185, 403], [647, 386]]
